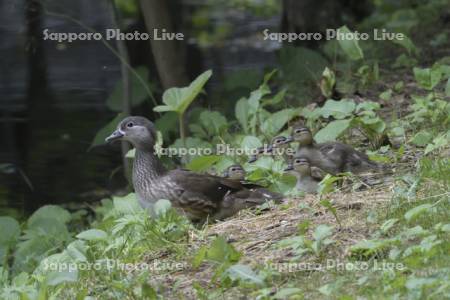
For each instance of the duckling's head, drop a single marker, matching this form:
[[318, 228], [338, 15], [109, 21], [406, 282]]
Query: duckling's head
[[302, 135], [235, 172], [300, 165], [279, 142], [139, 131]]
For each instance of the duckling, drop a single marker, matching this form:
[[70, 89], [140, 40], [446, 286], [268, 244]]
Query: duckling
[[278, 142], [331, 157], [259, 151], [307, 181], [199, 196], [235, 172]]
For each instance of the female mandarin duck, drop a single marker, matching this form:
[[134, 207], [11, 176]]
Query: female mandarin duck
[[199, 196]]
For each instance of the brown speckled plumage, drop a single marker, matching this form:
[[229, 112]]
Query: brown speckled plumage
[[199, 196], [331, 157]]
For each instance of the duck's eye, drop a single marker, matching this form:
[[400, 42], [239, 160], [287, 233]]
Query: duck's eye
[[233, 169], [298, 131], [297, 161], [130, 124]]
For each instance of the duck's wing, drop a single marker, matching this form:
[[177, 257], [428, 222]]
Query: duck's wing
[[211, 193], [204, 185], [317, 173]]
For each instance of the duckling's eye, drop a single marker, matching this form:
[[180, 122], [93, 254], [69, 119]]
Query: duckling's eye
[[233, 169], [298, 131], [130, 124], [297, 161]]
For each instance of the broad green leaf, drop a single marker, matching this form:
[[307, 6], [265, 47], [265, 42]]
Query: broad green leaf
[[438, 142], [202, 163], [244, 273], [428, 78], [221, 251], [50, 212], [77, 250], [332, 131], [279, 97], [350, 44], [285, 293], [367, 106], [398, 131], [422, 138], [276, 121], [213, 121], [414, 232], [284, 183], [10, 231], [103, 133], [92, 235], [386, 95], [417, 211], [139, 93], [58, 277], [250, 142], [301, 65], [338, 109], [372, 123], [254, 100], [10, 234], [191, 147], [162, 206], [327, 83], [43, 237], [369, 247], [242, 110], [167, 124], [407, 44], [126, 205], [178, 99]]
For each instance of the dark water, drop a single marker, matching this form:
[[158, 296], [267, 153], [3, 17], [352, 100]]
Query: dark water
[[50, 161], [52, 103]]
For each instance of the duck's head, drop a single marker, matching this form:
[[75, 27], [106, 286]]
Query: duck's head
[[300, 165], [302, 135], [278, 142], [235, 172], [139, 131]]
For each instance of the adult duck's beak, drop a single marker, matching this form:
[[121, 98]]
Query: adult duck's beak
[[116, 135], [289, 168], [289, 139]]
